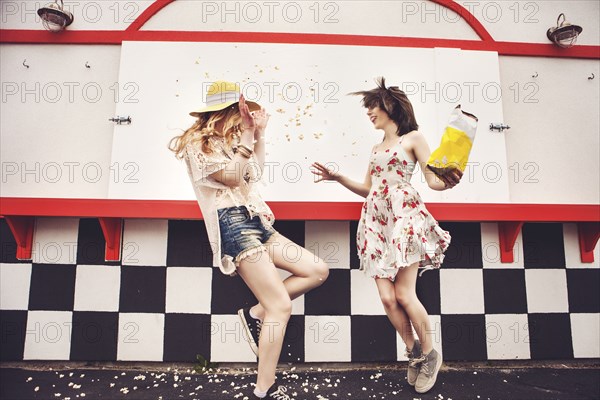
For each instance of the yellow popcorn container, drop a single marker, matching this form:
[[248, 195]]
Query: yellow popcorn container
[[457, 141]]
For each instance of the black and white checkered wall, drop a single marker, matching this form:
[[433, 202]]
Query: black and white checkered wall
[[164, 302]]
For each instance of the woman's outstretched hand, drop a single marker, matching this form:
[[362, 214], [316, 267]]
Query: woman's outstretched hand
[[261, 118], [323, 173], [248, 121], [451, 178]]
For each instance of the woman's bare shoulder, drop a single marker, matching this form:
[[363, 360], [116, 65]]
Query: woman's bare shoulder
[[412, 138], [412, 135]]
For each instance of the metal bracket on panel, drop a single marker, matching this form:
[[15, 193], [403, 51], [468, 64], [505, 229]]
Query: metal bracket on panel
[[22, 230], [112, 229], [508, 232], [588, 233], [498, 127], [121, 120]]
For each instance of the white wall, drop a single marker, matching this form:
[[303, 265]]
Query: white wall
[[553, 146], [313, 118], [385, 18], [55, 134], [528, 21], [559, 133]]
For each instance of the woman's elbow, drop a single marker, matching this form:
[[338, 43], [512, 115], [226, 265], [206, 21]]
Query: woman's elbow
[[228, 179], [437, 184], [434, 182], [232, 183]]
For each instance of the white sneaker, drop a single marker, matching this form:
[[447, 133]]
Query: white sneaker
[[429, 371], [414, 363]]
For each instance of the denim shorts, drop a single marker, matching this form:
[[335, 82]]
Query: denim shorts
[[241, 235]]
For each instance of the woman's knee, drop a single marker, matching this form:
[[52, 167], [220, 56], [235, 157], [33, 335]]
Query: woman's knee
[[388, 300], [320, 271], [281, 307], [405, 297]]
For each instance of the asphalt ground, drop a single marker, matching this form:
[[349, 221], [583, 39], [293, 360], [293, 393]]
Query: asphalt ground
[[458, 381]]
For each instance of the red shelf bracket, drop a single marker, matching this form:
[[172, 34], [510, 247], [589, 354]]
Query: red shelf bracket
[[112, 229], [22, 230], [589, 232], [508, 232]]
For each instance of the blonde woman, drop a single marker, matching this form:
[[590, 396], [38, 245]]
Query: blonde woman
[[396, 234], [225, 153]]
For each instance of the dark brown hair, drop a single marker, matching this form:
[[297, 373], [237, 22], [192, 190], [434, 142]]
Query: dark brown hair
[[394, 102]]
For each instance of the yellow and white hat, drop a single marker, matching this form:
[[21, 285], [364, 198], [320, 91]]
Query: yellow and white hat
[[220, 95]]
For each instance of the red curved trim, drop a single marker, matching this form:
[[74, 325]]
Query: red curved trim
[[40, 36], [117, 37], [468, 17], [188, 209], [450, 4], [148, 13]]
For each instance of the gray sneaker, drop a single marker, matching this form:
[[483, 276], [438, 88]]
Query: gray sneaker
[[413, 363], [428, 373]]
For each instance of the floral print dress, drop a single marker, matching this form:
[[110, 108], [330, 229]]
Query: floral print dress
[[395, 228]]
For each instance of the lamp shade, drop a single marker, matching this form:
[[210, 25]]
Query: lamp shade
[[564, 34], [54, 17]]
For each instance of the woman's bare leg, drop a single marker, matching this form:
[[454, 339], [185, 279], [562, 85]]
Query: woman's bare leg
[[308, 271], [406, 296], [395, 313], [262, 278]]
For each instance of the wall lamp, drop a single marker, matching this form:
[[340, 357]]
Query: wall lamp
[[54, 17], [564, 34]]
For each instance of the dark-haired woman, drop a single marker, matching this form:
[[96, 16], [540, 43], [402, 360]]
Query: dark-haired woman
[[396, 234]]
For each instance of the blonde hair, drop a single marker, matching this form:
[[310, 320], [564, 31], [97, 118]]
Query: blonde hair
[[204, 129]]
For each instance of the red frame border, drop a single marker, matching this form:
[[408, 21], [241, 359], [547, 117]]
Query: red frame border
[[20, 212], [188, 209]]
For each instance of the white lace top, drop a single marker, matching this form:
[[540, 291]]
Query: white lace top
[[210, 193]]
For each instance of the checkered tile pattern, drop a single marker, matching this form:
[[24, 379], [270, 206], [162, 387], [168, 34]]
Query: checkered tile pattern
[[164, 302]]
